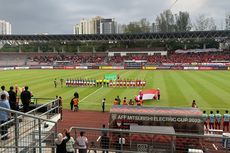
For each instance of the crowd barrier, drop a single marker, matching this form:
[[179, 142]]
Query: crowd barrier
[[162, 67]]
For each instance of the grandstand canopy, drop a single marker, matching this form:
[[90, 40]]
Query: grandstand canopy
[[223, 34]]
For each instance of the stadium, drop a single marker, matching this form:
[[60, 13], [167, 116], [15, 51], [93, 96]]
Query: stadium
[[156, 122]]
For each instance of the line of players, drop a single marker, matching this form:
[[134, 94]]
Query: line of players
[[105, 83], [215, 120]]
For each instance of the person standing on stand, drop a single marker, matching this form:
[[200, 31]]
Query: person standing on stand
[[211, 120], [25, 98], [103, 105], [4, 92], [82, 142], [12, 98], [205, 119], [4, 116], [105, 143], [218, 118], [226, 121]]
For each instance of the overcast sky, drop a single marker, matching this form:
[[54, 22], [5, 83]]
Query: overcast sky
[[59, 16]]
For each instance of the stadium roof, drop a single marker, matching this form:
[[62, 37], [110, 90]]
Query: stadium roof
[[223, 34]]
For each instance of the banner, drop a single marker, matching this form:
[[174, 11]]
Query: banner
[[163, 68], [220, 68], [177, 68], [46, 67], [93, 67], [149, 67], [147, 94], [68, 67], [81, 67], [205, 68], [7, 68], [191, 68], [22, 68], [118, 67], [106, 67]]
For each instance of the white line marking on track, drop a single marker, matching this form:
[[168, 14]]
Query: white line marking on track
[[214, 146], [91, 94]]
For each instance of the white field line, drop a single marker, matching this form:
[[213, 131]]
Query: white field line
[[91, 94]]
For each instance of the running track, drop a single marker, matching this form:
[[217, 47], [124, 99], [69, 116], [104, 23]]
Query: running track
[[83, 118]]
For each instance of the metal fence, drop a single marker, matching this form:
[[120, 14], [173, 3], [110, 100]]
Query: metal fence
[[150, 142], [31, 132]]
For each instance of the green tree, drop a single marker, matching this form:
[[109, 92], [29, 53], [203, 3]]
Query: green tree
[[142, 26], [183, 22], [165, 21]]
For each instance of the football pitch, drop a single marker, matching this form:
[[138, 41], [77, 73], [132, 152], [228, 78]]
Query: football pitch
[[210, 89]]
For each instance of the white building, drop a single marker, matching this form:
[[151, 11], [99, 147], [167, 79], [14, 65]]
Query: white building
[[5, 27], [97, 25]]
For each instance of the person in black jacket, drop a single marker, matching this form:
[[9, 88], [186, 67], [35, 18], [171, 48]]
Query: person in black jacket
[[105, 143], [25, 98], [61, 142], [12, 98]]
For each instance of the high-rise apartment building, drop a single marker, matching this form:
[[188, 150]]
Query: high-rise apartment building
[[5, 27], [108, 26], [97, 25]]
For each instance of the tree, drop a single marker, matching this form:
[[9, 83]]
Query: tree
[[142, 26], [165, 22], [183, 22], [204, 23]]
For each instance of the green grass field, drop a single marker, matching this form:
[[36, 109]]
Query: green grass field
[[210, 89]]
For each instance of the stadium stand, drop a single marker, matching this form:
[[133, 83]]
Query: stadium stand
[[178, 56]]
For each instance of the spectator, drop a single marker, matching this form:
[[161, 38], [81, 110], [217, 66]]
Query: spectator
[[61, 143], [4, 92], [103, 105], [121, 142], [4, 116], [105, 143], [211, 120], [103, 130], [218, 118], [60, 101], [12, 98], [82, 143], [205, 119], [226, 121], [25, 98], [92, 145], [70, 143]]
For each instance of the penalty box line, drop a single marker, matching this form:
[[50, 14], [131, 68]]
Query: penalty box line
[[91, 94]]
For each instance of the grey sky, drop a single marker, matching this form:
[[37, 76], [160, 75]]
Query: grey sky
[[59, 16]]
